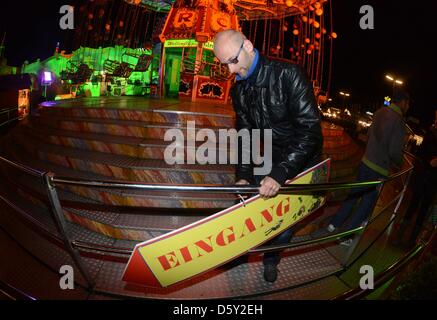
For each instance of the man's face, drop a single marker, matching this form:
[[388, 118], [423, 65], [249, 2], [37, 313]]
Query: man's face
[[235, 56]]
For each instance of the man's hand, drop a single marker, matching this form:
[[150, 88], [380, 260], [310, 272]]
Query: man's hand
[[433, 162], [269, 188]]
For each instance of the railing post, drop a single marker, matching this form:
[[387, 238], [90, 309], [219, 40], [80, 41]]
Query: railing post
[[407, 182], [61, 224]]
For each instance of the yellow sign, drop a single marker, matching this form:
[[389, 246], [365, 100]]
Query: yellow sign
[[187, 43], [211, 242], [182, 43]]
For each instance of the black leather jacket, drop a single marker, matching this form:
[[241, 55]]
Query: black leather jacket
[[279, 96]]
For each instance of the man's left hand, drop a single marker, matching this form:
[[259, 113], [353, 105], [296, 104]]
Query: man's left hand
[[269, 188]]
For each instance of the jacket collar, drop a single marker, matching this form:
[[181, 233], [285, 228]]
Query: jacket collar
[[253, 68], [258, 77]]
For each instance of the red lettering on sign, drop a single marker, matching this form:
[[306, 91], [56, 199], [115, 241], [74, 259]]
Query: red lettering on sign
[[169, 261], [186, 254], [202, 245], [185, 17], [281, 209], [223, 240], [267, 215]]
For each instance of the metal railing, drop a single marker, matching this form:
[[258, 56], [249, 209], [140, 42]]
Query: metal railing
[[12, 293], [75, 247], [8, 112]]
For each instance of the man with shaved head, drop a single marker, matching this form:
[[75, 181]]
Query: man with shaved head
[[273, 95]]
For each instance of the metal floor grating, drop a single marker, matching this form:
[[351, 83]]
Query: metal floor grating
[[320, 290], [297, 267], [31, 276], [242, 280]]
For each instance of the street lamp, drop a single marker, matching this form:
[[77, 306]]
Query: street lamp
[[395, 82]]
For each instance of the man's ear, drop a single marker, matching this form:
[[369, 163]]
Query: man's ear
[[248, 46]]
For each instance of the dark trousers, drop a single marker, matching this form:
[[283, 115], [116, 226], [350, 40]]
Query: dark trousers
[[273, 258], [368, 196], [424, 190]]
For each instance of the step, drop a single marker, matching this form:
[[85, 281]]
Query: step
[[129, 128], [134, 226], [144, 110], [114, 144], [177, 201], [128, 168]]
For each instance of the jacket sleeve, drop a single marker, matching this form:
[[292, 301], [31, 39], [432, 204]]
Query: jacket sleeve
[[397, 143], [305, 117], [243, 170]]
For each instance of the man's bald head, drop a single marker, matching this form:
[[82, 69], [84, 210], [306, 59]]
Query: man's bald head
[[228, 38], [232, 48]]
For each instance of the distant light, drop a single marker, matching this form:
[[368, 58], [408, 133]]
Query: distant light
[[369, 113], [399, 82], [389, 77]]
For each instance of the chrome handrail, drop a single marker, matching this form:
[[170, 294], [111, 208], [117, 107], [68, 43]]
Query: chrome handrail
[[23, 168], [232, 189], [8, 111], [13, 293]]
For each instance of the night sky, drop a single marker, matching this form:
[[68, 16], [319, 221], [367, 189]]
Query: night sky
[[402, 44]]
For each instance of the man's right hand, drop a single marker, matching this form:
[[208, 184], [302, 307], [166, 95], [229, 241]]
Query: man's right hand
[[242, 182]]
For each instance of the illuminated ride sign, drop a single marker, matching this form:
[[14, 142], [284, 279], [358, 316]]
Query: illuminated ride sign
[[187, 43], [213, 241]]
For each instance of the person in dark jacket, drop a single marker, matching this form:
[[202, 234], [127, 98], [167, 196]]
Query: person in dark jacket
[[276, 96], [423, 186], [384, 151]]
